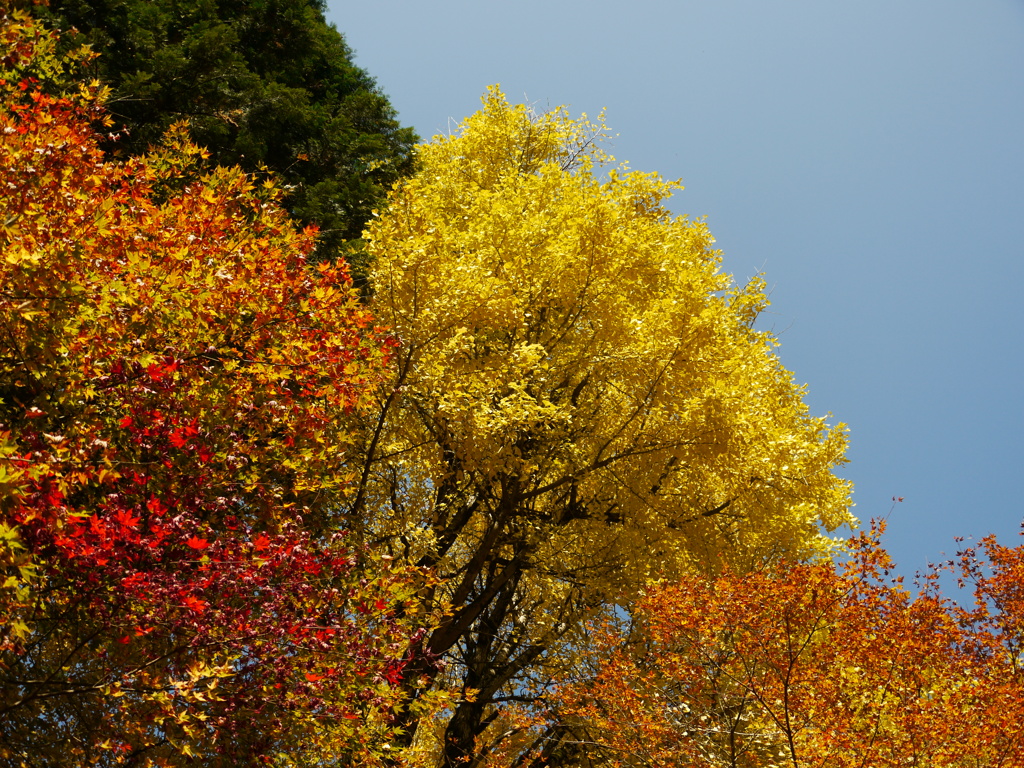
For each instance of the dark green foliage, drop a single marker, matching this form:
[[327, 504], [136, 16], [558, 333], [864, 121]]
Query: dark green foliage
[[263, 83]]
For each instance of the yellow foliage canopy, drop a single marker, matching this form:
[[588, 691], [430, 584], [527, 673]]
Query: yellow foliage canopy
[[581, 403], [570, 333]]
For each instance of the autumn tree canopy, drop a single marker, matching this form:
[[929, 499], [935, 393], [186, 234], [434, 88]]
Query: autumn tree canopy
[[799, 665], [579, 403], [544, 496], [178, 388]]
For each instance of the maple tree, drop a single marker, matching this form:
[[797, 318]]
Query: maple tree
[[804, 664], [579, 403], [178, 387]]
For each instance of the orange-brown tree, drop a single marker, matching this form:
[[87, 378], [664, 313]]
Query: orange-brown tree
[[805, 665]]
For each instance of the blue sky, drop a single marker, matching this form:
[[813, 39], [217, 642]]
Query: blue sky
[[867, 157]]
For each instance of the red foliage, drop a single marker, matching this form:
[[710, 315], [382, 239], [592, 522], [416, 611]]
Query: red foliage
[[176, 384]]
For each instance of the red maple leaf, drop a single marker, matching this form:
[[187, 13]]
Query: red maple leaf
[[125, 518], [194, 604], [156, 506], [393, 674]]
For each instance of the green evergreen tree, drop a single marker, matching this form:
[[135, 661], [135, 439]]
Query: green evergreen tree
[[263, 83]]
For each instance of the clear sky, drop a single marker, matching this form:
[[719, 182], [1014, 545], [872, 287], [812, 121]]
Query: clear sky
[[867, 157]]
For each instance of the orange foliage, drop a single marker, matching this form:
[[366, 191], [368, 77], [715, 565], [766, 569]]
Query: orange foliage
[[805, 665]]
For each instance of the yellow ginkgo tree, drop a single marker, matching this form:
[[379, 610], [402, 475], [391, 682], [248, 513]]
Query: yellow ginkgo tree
[[581, 404]]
